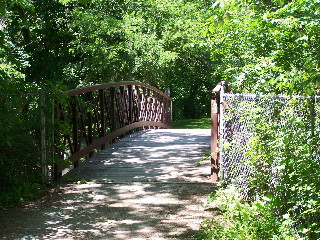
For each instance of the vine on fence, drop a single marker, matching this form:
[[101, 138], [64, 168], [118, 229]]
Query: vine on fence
[[269, 150]]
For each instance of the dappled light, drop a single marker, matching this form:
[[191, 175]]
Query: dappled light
[[152, 155], [146, 186]]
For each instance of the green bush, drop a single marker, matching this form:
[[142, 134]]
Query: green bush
[[20, 150], [285, 164], [241, 220]]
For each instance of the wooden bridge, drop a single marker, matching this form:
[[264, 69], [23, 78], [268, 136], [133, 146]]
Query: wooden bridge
[[141, 180], [91, 118], [148, 185], [157, 155]]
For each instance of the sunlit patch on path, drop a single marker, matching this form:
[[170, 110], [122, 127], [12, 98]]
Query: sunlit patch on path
[[146, 186]]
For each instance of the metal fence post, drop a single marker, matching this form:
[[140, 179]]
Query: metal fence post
[[43, 136], [221, 128]]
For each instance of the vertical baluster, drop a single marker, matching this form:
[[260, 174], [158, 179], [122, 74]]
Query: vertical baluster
[[153, 107], [148, 106], [75, 130], [57, 136], [170, 114], [122, 107], [130, 110], [102, 115], [165, 112], [157, 119], [161, 109], [89, 118], [144, 104], [137, 107], [112, 109]]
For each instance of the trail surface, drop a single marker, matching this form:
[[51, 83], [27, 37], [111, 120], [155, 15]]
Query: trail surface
[[146, 186]]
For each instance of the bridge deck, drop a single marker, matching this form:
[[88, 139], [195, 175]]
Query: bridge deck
[[162, 155], [146, 186]]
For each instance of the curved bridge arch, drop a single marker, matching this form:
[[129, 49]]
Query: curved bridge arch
[[92, 117]]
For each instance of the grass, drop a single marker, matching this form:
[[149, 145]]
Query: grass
[[201, 123]]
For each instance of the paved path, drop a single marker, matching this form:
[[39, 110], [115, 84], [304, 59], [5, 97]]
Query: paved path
[[146, 186]]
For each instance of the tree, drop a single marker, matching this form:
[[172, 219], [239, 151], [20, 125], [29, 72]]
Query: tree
[[268, 48], [156, 42]]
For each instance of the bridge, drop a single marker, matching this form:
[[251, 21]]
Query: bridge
[[133, 176], [91, 118]]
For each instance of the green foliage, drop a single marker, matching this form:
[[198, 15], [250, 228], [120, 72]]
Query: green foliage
[[23, 192], [74, 43], [19, 147], [238, 219], [155, 42], [285, 160], [271, 47]]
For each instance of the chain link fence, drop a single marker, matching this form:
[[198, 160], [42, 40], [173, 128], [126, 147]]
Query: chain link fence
[[240, 118]]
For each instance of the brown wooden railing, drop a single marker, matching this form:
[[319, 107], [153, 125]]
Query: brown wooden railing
[[216, 108], [93, 117]]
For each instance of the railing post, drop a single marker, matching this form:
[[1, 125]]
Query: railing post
[[145, 103], [170, 120], [130, 117], [214, 136], [89, 116], [57, 169], [121, 107], [158, 108], [138, 107], [43, 137], [217, 129], [162, 99], [102, 115], [112, 110], [167, 109], [75, 128]]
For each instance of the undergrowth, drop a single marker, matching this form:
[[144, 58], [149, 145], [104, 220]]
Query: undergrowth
[[238, 219], [10, 197], [283, 188]]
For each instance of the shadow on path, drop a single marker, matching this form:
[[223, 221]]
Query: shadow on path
[[169, 207]]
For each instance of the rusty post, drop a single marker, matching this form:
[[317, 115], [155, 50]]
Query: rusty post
[[215, 135], [216, 128]]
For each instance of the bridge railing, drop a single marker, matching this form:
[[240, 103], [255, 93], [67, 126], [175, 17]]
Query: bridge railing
[[92, 117], [216, 117]]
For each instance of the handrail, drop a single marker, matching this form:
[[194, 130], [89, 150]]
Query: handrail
[[93, 117], [82, 90]]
